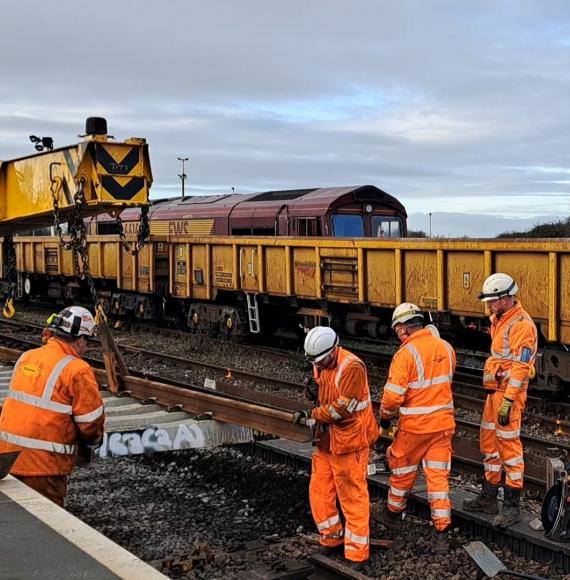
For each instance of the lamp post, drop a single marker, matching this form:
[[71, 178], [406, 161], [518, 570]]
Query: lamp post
[[183, 176], [430, 224]]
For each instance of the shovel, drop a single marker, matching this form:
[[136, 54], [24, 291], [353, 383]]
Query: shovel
[[490, 564], [6, 462]]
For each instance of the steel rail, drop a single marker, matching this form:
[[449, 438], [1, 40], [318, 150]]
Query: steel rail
[[196, 401]]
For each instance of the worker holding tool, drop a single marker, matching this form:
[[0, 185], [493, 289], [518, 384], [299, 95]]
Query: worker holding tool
[[506, 376], [47, 332], [53, 404], [346, 429], [418, 389]]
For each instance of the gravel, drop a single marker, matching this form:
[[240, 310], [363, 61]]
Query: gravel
[[217, 513]]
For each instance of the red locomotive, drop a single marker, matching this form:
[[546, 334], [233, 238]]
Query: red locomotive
[[357, 211]]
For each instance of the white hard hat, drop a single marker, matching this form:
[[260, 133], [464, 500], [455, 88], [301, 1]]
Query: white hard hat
[[320, 342], [496, 286], [75, 321], [405, 312]]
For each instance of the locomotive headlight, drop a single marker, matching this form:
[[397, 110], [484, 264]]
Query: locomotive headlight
[[368, 208]]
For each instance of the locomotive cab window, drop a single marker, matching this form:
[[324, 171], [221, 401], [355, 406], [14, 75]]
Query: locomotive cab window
[[347, 226], [308, 227], [386, 227]]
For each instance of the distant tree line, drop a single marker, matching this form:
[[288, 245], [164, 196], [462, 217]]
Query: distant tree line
[[560, 229], [416, 234]]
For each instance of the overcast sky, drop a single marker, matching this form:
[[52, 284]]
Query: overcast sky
[[448, 105]]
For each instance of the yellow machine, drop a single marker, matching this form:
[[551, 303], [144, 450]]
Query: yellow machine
[[99, 174], [59, 188]]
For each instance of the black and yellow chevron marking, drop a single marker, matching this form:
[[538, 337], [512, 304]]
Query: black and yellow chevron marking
[[114, 167], [122, 192]]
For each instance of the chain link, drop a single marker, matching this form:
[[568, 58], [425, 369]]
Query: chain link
[[10, 272], [142, 233]]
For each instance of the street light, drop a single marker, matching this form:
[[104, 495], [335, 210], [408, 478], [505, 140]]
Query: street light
[[183, 176], [430, 224]]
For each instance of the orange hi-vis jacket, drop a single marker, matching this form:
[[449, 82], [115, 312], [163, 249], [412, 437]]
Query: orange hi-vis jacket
[[419, 385], [344, 403], [513, 350], [52, 401]]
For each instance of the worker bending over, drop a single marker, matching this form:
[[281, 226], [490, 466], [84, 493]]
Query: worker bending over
[[506, 376], [53, 403], [346, 428], [418, 389]]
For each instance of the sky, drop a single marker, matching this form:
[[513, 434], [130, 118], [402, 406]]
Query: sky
[[449, 106]]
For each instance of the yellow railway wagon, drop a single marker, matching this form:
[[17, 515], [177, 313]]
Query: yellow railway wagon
[[237, 281], [438, 275]]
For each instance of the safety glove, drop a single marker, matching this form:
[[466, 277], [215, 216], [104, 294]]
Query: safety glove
[[505, 412], [385, 423], [301, 417], [311, 389]]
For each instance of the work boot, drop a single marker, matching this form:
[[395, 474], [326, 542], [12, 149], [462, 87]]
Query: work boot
[[511, 510], [440, 541], [331, 551], [485, 502], [387, 518], [355, 566]]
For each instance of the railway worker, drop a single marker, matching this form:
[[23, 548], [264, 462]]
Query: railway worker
[[346, 427], [506, 375], [52, 405], [418, 389]]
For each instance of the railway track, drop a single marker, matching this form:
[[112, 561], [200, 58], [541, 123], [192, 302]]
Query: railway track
[[242, 387]]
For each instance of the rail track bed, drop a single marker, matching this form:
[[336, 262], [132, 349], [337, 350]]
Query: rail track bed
[[543, 435], [227, 513]]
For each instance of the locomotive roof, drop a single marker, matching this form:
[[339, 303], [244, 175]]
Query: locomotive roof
[[297, 200]]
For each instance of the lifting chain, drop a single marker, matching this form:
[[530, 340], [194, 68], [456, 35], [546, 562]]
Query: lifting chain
[[142, 233], [77, 241], [10, 275]]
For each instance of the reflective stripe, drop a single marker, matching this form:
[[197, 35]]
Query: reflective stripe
[[345, 362], [441, 513], [435, 464], [54, 376], [519, 460], [334, 413], [387, 413], [395, 503], [494, 455], [515, 383], [433, 495], [425, 410], [44, 402], [403, 470], [38, 444], [435, 381], [485, 425], [492, 466], [395, 388], [399, 492], [508, 434], [362, 405], [40, 403], [514, 475], [489, 378], [88, 417], [418, 360], [356, 539], [328, 523]]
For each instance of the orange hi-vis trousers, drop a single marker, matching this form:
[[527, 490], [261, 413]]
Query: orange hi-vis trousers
[[433, 451], [501, 446], [343, 476]]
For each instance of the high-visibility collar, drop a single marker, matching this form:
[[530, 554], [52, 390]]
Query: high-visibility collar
[[62, 346], [417, 334], [506, 316]]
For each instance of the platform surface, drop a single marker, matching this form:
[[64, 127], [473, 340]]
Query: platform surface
[[38, 539]]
